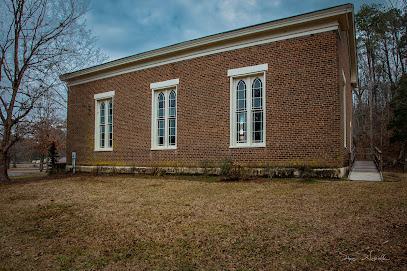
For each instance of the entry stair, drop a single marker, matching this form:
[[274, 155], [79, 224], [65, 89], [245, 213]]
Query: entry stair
[[362, 170]]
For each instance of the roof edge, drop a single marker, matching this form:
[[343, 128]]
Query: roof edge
[[224, 37]]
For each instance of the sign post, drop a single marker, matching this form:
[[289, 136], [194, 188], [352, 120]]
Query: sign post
[[73, 161]]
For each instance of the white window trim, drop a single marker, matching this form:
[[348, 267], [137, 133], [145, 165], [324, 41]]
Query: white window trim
[[344, 109], [234, 75], [248, 70], [99, 97], [350, 135], [156, 87], [164, 84]]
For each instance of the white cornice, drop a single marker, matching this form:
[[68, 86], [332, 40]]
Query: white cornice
[[306, 24], [213, 50]]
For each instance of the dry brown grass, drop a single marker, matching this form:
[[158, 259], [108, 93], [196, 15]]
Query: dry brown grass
[[169, 223]]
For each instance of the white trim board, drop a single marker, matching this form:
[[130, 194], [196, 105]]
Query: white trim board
[[267, 38], [164, 84], [248, 70], [104, 95]]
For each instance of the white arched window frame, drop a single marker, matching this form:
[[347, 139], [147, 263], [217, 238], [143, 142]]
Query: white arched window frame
[[164, 115], [247, 114], [104, 121], [345, 135]]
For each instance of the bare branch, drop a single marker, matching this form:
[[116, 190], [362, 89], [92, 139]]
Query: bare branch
[[38, 40]]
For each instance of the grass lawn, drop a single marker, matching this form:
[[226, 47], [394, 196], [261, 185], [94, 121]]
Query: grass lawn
[[172, 223]]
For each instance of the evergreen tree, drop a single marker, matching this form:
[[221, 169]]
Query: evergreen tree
[[398, 124]]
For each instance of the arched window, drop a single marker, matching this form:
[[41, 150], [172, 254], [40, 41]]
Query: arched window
[[104, 121], [257, 111], [110, 124], [241, 95], [248, 106], [161, 119], [241, 113], [172, 100], [164, 115], [102, 124], [257, 94]]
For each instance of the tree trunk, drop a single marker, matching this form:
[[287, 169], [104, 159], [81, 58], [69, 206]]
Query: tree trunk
[[8, 161], [14, 160], [3, 167], [404, 157], [41, 162], [371, 119]]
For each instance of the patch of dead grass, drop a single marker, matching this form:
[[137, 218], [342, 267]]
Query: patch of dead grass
[[116, 222]]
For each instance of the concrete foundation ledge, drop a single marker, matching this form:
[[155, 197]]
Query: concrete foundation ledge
[[266, 172]]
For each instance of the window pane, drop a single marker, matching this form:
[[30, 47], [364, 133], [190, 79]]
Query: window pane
[[241, 128], [257, 103], [258, 116], [258, 137], [257, 83], [242, 104], [257, 126], [172, 123], [172, 140], [161, 141], [160, 124], [240, 95], [172, 97], [256, 92]]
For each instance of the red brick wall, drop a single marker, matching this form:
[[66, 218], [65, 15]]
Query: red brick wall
[[303, 108]]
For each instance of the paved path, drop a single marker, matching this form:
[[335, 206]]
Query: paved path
[[23, 171], [364, 171]]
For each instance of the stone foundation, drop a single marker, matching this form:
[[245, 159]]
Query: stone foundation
[[262, 172]]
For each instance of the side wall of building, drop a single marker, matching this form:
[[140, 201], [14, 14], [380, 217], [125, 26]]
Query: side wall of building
[[345, 85], [303, 108]]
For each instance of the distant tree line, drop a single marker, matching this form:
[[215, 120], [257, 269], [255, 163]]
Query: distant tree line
[[382, 63]]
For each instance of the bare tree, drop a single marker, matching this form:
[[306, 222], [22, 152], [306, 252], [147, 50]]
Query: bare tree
[[382, 60], [37, 39]]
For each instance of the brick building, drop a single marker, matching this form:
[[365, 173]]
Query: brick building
[[276, 94]]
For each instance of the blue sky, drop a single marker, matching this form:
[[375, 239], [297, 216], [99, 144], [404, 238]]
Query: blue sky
[[128, 27]]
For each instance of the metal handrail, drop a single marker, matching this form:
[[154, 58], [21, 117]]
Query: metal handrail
[[352, 155]]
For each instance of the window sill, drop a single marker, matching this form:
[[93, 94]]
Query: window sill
[[163, 148], [102, 150], [263, 145]]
